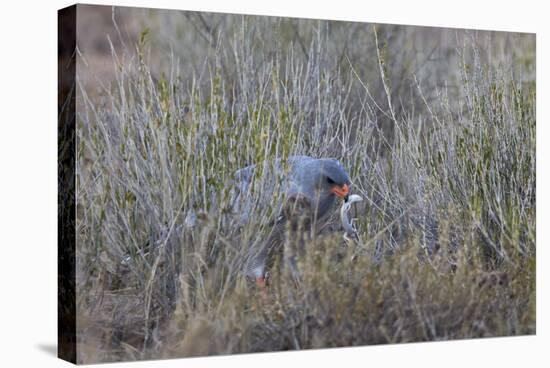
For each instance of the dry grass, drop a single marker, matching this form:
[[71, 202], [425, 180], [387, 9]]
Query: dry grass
[[440, 143]]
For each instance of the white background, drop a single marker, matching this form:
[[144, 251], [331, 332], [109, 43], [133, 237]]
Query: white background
[[28, 181]]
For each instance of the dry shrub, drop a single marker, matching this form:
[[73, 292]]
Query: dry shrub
[[443, 151]]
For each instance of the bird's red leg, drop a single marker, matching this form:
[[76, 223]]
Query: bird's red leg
[[262, 287]]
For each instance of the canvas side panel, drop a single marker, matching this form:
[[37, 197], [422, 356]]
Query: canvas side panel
[[66, 309]]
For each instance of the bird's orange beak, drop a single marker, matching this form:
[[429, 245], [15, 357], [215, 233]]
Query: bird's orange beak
[[340, 191]]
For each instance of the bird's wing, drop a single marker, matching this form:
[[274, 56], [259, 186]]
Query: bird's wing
[[243, 177], [242, 203]]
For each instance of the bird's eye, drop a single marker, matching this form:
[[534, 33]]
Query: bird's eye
[[330, 181]]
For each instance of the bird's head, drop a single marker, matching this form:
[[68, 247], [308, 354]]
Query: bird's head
[[334, 178]]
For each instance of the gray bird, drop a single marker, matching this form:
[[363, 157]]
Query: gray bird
[[310, 185]]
